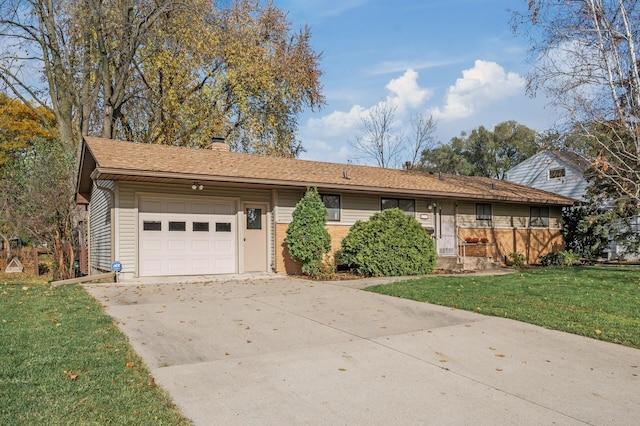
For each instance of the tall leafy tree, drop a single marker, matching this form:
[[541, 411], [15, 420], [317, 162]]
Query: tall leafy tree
[[585, 56], [483, 152], [163, 71]]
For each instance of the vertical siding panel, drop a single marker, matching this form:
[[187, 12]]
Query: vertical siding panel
[[100, 221]]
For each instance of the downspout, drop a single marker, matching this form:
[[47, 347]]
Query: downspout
[[112, 204]]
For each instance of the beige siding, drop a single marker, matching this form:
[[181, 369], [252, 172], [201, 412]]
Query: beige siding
[[100, 219], [353, 207], [504, 216], [510, 216], [126, 248], [358, 207], [287, 201]]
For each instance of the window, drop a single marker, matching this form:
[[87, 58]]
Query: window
[[557, 173], [483, 211], [332, 203], [200, 226], [407, 206], [177, 226], [149, 225], [539, 216], [223, 227], [254, 218]]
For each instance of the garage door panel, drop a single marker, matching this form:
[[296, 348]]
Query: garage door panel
[[193, 246], [175, 245], [201, 246]]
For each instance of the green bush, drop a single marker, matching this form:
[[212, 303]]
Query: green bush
[[390, 243], [560, 258], [554, 258], [516, 260], [307, 238]]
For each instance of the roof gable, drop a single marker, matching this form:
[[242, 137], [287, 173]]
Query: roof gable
[[119, 160]]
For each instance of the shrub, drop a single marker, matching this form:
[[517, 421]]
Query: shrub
[[390, 243], [560, 258], [516, 259], [307, 238], [555, 258]]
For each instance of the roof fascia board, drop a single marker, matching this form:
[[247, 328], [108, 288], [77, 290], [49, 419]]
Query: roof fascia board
[[112, 174]]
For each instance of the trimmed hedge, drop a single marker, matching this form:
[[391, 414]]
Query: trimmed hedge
[[390, 243]]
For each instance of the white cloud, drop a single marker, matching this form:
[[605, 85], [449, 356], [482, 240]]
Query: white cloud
[[337, 122], [404, 92], [407, 91], [485, 83]]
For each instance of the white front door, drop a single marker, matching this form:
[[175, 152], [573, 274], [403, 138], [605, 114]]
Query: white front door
[[255, 237], [186, 237], [446, 233]]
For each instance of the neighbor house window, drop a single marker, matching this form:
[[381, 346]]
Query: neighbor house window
[[539, 217], [483, 211], [558, 173], [406, 205], [332, 203]]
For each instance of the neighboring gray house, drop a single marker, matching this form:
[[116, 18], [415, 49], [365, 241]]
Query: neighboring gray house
[[554, 171], [561, 173]]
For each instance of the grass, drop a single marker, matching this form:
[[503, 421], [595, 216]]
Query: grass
[[598, 302], [63, 361]]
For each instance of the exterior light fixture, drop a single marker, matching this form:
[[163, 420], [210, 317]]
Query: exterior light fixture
[[197, 186]]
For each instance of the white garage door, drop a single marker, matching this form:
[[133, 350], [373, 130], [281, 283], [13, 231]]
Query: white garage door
[[186, 237]]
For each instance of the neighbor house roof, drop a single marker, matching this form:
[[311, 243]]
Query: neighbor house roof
[[105, 159], [573, 159]]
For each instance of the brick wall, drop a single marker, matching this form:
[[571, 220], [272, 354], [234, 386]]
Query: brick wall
[[286, 265], [532, 242]]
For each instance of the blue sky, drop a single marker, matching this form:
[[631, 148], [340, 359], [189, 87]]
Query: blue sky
[[455, 59]]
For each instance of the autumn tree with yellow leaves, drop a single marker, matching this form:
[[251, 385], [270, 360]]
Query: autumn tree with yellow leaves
[[163, 71]]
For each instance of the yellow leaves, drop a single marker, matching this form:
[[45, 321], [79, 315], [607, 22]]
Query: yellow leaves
[[598, 332], [71, 375]]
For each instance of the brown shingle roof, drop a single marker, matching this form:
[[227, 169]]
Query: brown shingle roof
[[118, 160]]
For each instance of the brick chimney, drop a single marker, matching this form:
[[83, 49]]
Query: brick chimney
[[218, 144]]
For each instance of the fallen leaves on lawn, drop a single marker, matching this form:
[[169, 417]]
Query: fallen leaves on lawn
[[70, 375], [130, 364]]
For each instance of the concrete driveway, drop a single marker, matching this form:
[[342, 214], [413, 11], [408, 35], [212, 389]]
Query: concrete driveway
[[279, 350]]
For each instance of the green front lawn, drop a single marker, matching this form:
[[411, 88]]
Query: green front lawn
[[598, 302], [64, 361]]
